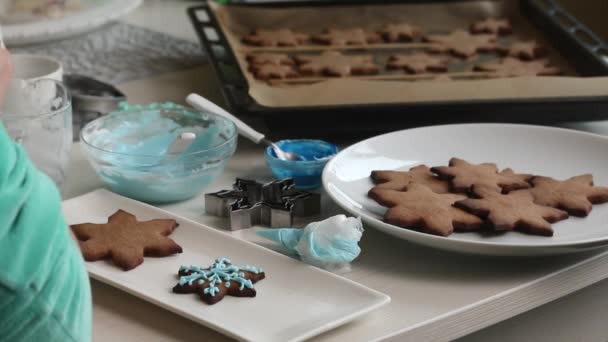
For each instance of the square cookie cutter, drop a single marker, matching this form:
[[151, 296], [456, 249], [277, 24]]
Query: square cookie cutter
[[272, 204]]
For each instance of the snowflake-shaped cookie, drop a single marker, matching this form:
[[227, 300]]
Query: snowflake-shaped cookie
[[574, 195], [513, 211], [418, 63], [463, 175], [270, 58], [513, 67], [334, 63], [281, 37], [422, 209], [219, 280], [273, 71], [462, 43], [354, 36], [398, 180], [492, 26], [393, 33], [526, 50], [126, 240]]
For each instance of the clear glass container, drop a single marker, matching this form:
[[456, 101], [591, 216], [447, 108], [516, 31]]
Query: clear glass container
[[38, 115]]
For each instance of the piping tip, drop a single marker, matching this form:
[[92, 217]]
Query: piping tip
[[286, 237]]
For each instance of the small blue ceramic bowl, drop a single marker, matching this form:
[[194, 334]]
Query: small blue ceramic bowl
[[305, 173], [129, 151]]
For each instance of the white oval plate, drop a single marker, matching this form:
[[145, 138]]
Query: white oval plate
[[554, 152], [94, 13]]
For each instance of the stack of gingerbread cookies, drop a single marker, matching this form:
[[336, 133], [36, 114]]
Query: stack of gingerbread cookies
[[466, 197], [429, 53]]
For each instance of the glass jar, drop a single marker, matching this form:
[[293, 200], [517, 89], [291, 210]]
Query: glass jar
[[38, 115]]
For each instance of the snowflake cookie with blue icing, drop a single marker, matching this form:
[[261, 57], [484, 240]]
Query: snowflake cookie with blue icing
[[220, 279]]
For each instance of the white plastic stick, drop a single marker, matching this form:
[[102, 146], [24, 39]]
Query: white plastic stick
[[181, 143], [202, 104]]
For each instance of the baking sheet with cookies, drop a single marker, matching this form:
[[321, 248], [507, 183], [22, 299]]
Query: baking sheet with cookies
[[386, 70]]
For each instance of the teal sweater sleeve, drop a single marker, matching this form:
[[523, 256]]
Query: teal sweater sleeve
[[44, 289]]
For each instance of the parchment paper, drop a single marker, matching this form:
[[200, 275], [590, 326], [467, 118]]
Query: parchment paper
[[237, 21]]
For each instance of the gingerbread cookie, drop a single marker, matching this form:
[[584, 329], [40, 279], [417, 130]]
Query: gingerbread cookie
[[393, 33], [334, 63], [420, 208], [271, 71], [462, 44], [463, 175], [574, 195], [418, 63], [526, 50], [269, 58], [492, 26], [219, 280], [513, 67], [126, 240], [281, 37], [508, 172], [398, 180], [513, 211], [354, 36]]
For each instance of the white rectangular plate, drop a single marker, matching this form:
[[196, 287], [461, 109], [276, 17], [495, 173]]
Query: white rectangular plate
[[295, 301]]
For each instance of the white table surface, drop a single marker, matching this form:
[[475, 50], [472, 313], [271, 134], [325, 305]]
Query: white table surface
[[580, 316]]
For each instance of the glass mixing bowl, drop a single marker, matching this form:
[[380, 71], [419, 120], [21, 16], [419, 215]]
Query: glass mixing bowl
[[129, 151]]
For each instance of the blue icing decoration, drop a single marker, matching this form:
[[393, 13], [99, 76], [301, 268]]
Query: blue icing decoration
[[212, 290], [246, 283], [189, 278], [223, 261], [221, 272], [251, 269]]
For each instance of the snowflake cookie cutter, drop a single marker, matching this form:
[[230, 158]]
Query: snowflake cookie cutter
[[273, 204]]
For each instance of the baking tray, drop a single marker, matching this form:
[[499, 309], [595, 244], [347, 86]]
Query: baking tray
[[582, 49]]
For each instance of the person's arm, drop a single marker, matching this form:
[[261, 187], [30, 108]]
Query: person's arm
[[44, 288]]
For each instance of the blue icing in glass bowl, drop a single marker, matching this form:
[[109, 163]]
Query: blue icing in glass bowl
[[128, 150], [305, 173]]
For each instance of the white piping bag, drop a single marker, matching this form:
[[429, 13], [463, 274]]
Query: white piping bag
[[331, 244]]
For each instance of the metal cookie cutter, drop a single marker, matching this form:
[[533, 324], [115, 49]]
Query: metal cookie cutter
[[273, 204]]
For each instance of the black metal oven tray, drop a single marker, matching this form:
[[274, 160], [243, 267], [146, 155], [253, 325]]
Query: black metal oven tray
[[583, 49]]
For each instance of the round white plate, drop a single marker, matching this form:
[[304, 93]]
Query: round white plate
[[93, 14], [554, 152]]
